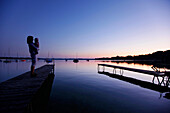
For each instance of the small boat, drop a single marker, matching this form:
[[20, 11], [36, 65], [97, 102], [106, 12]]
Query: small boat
[[48, 60], [7, 61], [75, 60], [23, 60]]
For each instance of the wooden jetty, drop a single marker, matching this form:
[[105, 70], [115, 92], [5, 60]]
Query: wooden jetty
[[165, 76], [26, 94], [162, 86], [135, 70]]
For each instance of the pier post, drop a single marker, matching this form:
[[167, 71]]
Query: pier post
[[103, 68]]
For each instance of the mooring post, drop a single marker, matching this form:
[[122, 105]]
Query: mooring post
[[163, 80], [114, 70], [153, 79], [167, 82], [103, 68], [121, 71], [158, 81]]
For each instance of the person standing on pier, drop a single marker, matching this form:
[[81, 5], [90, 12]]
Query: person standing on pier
[[32, 49]]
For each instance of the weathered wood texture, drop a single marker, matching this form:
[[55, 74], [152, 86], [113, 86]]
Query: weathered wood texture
[[17, 93]]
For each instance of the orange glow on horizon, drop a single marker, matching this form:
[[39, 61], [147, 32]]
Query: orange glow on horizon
[[102, 55]]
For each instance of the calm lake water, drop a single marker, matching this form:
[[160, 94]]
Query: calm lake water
[[79, 88]]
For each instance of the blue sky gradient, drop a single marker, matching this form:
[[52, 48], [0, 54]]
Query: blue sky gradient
[[88, 28]]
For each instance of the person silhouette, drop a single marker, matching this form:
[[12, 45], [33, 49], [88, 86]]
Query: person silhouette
[[32, 49]]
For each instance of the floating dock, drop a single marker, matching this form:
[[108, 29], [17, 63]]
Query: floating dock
[[26, 94], [135, 70], [165, 76], [162, 86]]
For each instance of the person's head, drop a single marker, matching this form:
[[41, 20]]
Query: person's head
[[36, 40], [29, 39]]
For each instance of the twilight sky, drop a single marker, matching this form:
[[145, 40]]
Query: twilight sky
[[88, 28]]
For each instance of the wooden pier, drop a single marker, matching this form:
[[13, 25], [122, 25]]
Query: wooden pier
[[26, 94], [162, 86], [135, 70], [165, 76]]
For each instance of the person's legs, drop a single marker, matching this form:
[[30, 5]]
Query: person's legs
[[32, 69], [33, 64]]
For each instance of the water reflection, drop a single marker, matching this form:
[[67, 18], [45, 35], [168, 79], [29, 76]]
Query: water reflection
[[80, 88], [138, 63], [13, 69], [143, 84]]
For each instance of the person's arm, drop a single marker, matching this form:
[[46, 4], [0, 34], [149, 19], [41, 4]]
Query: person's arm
[[33, 46]]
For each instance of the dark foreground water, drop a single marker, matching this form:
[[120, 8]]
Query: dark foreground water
[[79, 88]]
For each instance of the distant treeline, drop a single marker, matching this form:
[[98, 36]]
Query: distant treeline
[[162, 56], [15, 57]]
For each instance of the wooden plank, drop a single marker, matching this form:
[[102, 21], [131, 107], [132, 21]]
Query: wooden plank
[[17, 93], [136, 70]]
